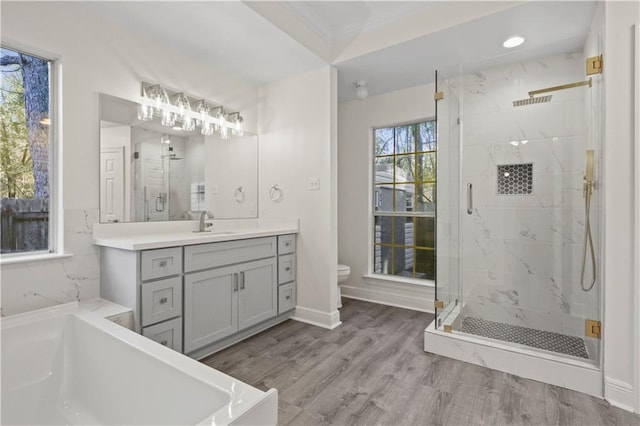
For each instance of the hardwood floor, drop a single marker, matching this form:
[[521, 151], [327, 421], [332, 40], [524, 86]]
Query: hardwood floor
[[373, 370]]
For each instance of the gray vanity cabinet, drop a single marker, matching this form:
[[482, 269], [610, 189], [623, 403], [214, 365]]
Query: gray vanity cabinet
[[200, 298], [235, 293], [149, 282]]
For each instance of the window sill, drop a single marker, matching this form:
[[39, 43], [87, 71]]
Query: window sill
[[27, 258], [386, 279]]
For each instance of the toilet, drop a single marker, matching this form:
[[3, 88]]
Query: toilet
[[343, 274]]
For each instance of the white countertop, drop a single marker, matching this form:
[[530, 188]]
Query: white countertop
[[145, 241]]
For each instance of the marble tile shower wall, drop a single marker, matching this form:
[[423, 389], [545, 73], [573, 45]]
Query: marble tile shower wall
[[521, 253]]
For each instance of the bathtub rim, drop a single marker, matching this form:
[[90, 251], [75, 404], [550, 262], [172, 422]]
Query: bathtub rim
[[242, 397]]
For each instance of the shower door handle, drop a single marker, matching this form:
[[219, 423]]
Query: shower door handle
[[469, 198]]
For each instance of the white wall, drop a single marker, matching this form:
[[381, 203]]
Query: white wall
[[355, 122], [295, 145], [620, 328], [94, 58]]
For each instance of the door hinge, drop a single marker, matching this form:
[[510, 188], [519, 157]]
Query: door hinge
[[447, 328], [438, 95], [438, 304], [594, 65], [592, 328]]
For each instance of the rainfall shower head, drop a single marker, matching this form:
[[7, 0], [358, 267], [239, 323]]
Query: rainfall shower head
[[532, 100], [546, 98]]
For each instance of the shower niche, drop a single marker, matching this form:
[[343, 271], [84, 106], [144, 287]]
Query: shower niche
[[518, 215]]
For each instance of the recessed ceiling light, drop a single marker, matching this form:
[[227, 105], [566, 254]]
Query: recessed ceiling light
[[513, 42]]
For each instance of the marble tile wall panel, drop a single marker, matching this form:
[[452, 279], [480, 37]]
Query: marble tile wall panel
[[35, 285]]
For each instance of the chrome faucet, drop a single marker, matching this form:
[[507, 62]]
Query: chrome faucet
[[203, 225]]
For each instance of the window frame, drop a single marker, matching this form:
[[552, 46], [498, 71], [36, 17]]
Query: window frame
[[55, 245], [374, 202]]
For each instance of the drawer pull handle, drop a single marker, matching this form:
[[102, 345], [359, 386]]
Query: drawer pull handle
[[241, 280], [235, 281], [287, 243], [163, 300], [164, 343], [163, 263], [288, 268], [288, 297]]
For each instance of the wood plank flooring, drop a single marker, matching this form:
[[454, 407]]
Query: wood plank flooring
[[373, 370]]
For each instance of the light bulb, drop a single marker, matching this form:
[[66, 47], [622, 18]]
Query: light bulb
[[145, 113], [206, 129], [188, 125], [183, 105], [202, 109], [168, 118]]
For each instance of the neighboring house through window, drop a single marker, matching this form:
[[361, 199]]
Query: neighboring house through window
[[404, 183], [26, 155]]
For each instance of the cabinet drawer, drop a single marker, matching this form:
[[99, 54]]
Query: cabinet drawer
[[168, 333], [286, 244], [286, 268], [161, 300], [213, 255], [160, 263], [286, 297]]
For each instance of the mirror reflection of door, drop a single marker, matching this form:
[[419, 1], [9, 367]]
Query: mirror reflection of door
[[112, 184]]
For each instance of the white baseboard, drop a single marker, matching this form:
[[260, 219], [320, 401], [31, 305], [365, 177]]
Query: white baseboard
[[619, 394], [415, 300], [329, 320]]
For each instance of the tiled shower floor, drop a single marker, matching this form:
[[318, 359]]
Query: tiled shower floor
[[547, 340]]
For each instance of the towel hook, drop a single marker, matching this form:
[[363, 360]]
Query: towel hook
[[276, 194], [239, 195]]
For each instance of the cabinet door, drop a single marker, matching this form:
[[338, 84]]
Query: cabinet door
[[258, 296], [210, 306]]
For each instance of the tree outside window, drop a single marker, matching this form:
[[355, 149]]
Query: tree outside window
[[404, 200], [24, 151]]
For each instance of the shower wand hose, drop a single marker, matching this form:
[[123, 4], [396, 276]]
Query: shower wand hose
[[588, 188]]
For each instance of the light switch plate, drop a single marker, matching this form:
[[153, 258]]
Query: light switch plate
[[313, 184]]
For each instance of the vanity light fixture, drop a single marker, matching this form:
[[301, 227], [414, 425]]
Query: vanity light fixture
[[513, 42], [176, 111], [237, 120]]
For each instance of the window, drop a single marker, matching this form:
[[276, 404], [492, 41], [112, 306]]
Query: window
[[25, 152], [404, 183]]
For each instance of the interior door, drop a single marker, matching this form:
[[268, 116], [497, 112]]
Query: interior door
[[258, 295], [112, 184], [448, 197]]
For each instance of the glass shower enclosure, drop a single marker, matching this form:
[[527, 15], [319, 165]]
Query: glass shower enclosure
[[519, 202]]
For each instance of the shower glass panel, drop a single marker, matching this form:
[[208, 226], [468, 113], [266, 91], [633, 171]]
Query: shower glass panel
[[521, 203], [448, 205]]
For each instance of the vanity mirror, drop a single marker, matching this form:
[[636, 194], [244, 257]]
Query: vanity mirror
[[150, 172]]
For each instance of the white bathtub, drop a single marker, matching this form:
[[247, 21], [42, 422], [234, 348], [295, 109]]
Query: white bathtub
[[64, 365]]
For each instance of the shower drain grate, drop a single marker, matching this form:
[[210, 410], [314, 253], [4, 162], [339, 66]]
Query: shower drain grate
[[547, 340]]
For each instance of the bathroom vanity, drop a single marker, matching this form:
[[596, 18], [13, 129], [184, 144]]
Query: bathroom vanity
[[200, 292]]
